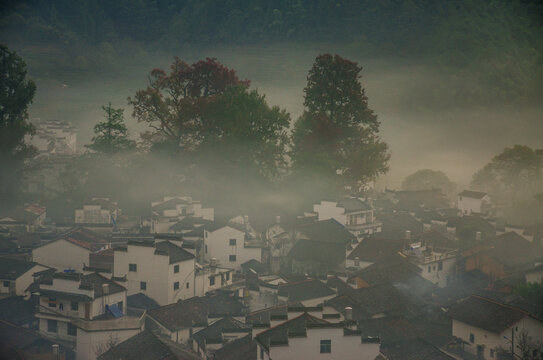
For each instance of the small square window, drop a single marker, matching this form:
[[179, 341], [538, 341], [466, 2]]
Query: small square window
[[61, 306], [143, 285], [187, 285], [52, 302], [227, 276], [471, 338], [133, 267], [74, 305], [326, 346], [52, 326], [176, 285], [72, 329], [232, 258], [206, 248], [440, 265], [211, 280], [232, 242], [176, 269], [6, 283], [429, 268]]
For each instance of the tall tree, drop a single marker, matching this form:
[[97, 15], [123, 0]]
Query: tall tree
[[16, 93], [111, 136], [429, 179], [338, 134], [172, 104]]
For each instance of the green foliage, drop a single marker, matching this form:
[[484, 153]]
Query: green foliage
[[16, 93], [532, 292], [426, 179], [338, 133], [112, 134]]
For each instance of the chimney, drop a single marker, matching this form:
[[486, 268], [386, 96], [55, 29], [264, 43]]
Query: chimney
[[349, 313], [55, 349], [408, 234], [478, 236], [105, 289], [357, 261]]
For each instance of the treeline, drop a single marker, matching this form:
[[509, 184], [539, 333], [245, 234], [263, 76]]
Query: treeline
[[460, 29]]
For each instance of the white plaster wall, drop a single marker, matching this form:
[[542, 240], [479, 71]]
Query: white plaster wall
[[329, 210], [218, 246], [535, 277], [99, 304], [184, 276], [24, 281], [343, 347], [469, 205], [436, 276], [61, 254], [62, 331]]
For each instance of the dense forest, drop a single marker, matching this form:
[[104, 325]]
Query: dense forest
[[500, 41]]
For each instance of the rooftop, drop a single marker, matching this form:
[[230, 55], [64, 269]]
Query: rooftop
[[473, 194], [305, 290], [11, 269]]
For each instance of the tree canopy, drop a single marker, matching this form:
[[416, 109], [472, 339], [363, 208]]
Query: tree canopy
[[16, 93], [111, 136], [338, 134], [426, 179]]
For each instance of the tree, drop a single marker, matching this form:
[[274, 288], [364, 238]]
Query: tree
[[112, 134], [517, 169], [338, 134], [426, 179], [172, 104], [16, 93]]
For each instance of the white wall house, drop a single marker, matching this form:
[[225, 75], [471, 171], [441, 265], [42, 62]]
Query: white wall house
[[171, 209], [210, 277], [319, 339], [75, 247], [97, 211], [16, 276], [356, 214], [230, 245], [473, 202], [55, 137], [486, 326], [85, 311], [161, 270]]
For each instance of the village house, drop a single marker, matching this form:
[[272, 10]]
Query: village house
[[86, 311], [214, 336], [97, 211], [309, 337], [373, 249], [487, 327], [209, 277], [474, 202], [54, 137], [232, 244], [310, 292], [16, 276], [357, 215], [27, 218], [161, 270], [171, 209], [76, 245]]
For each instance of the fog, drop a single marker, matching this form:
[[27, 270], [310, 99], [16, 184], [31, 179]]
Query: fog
[[423, 124]]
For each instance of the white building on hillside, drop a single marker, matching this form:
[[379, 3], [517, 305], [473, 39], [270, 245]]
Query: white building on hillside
[[161, 270], [97, 211], [55, 137], [171, 209], [232, 244], [16, 276], [474, 202]]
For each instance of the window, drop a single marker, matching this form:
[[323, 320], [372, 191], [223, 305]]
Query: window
[[143, 285], [471, 338], [206, 248], [211, 280], [429, 268], [52, 326], [120, 306], [227, 276], [6, 283], [232, 258], [74, 305], [262, 353], [132, 267], [188, 285], [176, 269], [440, 265], [52, 302], [232, 242], [72, 329], [176, 285], [326, 346], [61, 306]]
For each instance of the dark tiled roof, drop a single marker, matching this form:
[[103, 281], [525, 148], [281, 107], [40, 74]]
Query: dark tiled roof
[[189, 223], [241, 349], [17, 310], [486, 314], [353, 204], [175, 253], [375, 248], [255, 265], [395, 225], [141, 301], [331, 254], [169, 204], [96, 281], [473, 194], [146, 345], [305, 290], [84, 238], [413, 349], [279, 334], [326, 231], [390, 271], [15, 341], [213, 333], [11, 269]]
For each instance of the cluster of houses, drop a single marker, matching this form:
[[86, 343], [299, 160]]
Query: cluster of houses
[[400, 275]]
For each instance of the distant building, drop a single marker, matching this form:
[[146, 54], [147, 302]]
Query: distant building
[[97, 211], [16, 276], [474, 202], [169, 211], [486, 326], [27, 218], [55, 137], [161, 270]]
